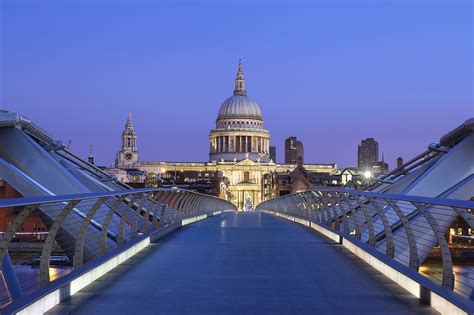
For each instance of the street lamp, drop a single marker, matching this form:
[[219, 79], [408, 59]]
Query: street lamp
[[370, 178], [368, 175]]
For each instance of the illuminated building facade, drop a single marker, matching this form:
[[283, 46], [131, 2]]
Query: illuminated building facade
[[239, 150]]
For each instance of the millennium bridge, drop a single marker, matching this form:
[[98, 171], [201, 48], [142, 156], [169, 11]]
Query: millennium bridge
[[110, 249]]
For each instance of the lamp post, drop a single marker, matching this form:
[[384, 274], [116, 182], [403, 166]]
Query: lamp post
[[369, 176]]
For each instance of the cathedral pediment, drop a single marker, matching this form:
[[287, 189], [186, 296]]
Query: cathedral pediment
[[247, 162]]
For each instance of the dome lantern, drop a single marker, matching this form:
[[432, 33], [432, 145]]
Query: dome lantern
[[240, 81]]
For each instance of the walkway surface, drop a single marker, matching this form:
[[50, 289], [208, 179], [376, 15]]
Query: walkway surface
[[248, 263]]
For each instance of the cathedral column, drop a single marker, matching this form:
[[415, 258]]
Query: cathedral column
[[245, 142]]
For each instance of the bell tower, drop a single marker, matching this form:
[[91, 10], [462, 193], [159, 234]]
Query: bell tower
[[128, 154]]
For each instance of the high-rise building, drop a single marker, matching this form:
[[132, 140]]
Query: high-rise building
[[399, 162], [273, 153], [367, 153], [294, 150], [128, 154], [90, 158]]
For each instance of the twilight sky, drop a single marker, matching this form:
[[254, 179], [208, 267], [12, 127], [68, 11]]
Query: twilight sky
[[329, 72]]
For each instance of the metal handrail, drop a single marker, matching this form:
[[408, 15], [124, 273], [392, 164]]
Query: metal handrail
[[13, 202], [405, 228], [439, 201], [85, 227]]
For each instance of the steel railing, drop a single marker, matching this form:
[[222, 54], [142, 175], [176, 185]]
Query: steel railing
[[84, 227], [408, 229]]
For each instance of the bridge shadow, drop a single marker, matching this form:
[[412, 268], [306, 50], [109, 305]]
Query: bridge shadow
[[243, 263]]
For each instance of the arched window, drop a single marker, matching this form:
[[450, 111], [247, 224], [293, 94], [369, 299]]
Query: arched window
[[246, 176]]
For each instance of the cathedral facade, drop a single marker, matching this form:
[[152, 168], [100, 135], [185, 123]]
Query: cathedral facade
[[239, 148]]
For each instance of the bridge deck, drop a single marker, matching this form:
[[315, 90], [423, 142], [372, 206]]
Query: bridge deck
[[247, 263]]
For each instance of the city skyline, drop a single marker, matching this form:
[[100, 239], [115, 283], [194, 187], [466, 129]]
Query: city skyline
[[137, 156], [324, 95]]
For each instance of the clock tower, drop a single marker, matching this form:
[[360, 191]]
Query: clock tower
[[128, 154]]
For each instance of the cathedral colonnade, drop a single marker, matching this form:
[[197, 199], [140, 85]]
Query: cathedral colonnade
[[240, 144]]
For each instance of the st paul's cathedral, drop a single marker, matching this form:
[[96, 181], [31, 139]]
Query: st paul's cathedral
[[239, 149]]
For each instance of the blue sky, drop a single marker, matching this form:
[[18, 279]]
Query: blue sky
[[329, 72]]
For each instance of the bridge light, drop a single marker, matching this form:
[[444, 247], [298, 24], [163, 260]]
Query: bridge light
[[368, 174]]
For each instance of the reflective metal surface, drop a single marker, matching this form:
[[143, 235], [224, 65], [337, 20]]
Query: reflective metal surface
[[405, 228], [138, 212], [247, 263]]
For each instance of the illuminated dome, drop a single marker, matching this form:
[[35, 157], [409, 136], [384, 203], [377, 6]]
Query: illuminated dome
[[240, 106], [239, 132]]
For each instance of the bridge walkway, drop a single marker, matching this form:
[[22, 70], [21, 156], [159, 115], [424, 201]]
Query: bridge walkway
[[245, 263]]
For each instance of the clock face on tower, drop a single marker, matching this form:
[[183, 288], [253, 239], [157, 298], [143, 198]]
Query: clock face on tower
[[128, 156]]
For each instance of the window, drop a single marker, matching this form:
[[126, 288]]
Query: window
[[246, 176]]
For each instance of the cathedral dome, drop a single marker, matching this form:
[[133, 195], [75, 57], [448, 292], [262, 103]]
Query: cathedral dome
[[240, 106], [239, 132]]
